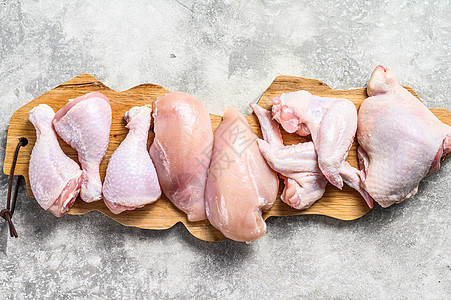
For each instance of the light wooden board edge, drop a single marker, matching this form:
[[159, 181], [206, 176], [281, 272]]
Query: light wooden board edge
[[344, 205]]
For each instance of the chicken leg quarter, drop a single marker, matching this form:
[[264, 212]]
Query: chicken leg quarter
[[401, 141]]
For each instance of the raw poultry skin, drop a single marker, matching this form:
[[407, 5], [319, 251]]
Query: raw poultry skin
[[240, 184], [55, 179], [131, 180], [84, 123], [401, 141], [332, 124], [181, 151], [297, 164]]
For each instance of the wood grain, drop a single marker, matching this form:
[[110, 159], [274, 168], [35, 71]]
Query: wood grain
[[345, 205]]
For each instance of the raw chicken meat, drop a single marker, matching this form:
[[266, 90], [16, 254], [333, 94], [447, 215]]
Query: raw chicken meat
[[240, 184], [332, 123], [55, 179], [297, 164], [181, 151], [131, 180], [401, 141], [84, 123]]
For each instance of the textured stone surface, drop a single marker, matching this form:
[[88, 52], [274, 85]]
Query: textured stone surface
[[227, 54]]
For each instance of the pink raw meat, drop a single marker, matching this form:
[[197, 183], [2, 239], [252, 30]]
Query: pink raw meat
[[332, 123], [240, 183], [131, 180], [55, 179], [84, 123], [181, 151], [297, 164], [401, 140]]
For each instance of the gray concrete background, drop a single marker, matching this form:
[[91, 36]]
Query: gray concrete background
[[226, 54]]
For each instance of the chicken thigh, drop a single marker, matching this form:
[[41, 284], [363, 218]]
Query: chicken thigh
[[55, 179], [84, 123], [131, 180], [297, 164], [401, 141], [332, 123], [181, 151], [240, 184]]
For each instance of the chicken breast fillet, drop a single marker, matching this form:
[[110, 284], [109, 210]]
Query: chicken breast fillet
[[181, 151], [240, 183]]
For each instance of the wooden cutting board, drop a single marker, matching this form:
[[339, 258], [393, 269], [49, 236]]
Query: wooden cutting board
[[345, 205]]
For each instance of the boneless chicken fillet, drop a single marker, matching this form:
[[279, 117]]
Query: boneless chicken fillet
[[181, 151], [241, 185]]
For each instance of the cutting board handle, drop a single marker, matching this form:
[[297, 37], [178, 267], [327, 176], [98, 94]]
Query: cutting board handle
[[8, 212]]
